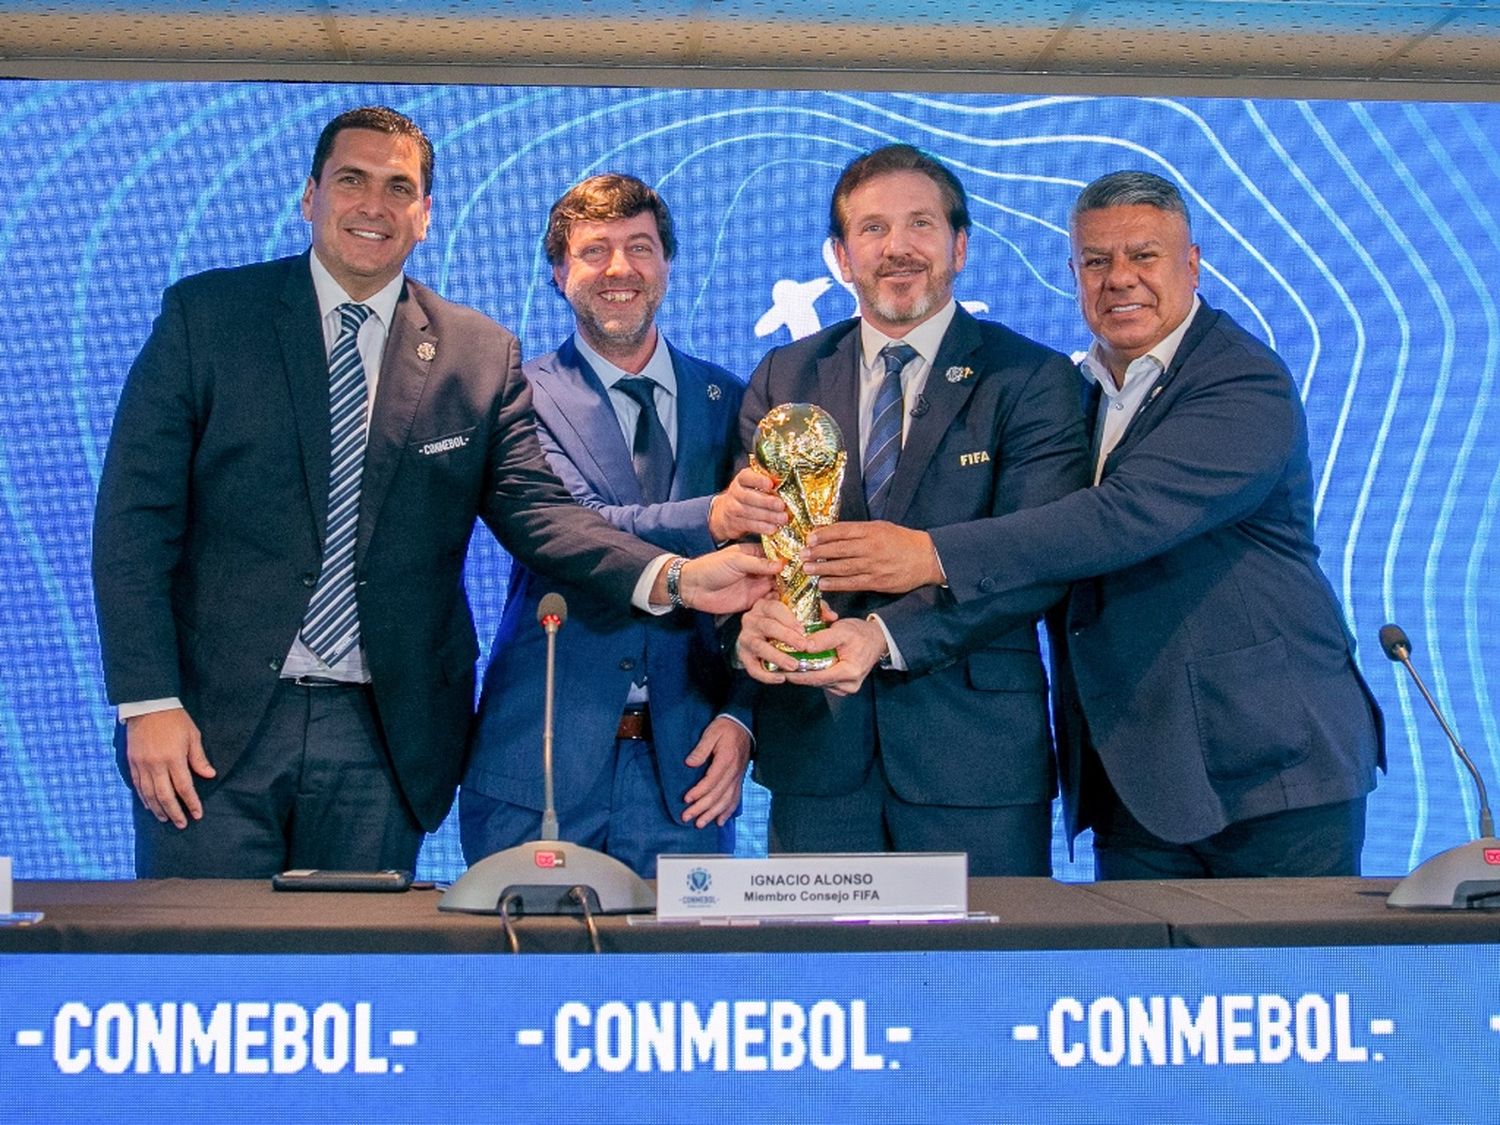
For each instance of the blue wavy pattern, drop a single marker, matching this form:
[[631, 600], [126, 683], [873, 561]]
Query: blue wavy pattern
[[1358, 238]]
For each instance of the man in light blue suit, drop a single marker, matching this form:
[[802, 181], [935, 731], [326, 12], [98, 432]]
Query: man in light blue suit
[[651, 739]]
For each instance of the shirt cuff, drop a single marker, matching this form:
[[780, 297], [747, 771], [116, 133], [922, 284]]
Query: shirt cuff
[[895, 661], [641, 596], [148, 706], [941, 568]]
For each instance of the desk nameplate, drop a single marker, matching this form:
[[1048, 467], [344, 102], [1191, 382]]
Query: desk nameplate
[[693, 887]]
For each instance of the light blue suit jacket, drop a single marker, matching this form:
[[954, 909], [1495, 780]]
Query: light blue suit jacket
[[602, 649]]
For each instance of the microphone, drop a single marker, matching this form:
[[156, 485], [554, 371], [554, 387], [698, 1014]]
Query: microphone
[[1398, 647], [548, 875], [1467, 876], [919, 407], [551, 614]]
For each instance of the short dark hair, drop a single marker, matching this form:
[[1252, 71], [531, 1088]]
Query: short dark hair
[[603, 199], [382, 119], [1126, 188], [897, 158]]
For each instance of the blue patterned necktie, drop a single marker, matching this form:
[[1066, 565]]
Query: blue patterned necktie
[[884, 447], [331, 627], [651, 452]]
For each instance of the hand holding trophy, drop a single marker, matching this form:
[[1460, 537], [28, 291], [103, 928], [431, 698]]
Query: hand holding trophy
[[799, 447]]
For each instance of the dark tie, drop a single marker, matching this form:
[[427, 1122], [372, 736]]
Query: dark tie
[[651, 452], [884, 448], [331, 628]]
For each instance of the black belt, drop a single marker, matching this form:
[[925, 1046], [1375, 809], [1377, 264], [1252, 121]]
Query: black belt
[[635, 725], [324, 682]]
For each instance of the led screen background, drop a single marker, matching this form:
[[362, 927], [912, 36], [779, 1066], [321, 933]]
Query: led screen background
[[1357, 238]]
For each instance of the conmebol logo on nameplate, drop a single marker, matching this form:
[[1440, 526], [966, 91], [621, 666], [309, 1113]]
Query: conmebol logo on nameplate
[[690, 887]]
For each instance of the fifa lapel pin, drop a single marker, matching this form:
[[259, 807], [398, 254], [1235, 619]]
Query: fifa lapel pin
[[956, 374], [426, 350]]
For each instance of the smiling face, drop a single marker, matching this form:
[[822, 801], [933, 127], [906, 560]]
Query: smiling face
[[899, 250], [367, 209], [614, 274], [1137, 269]]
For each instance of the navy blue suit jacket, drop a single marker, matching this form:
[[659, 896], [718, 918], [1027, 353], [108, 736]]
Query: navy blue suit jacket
[[999, 429], [212, 504], [1203, 649], [602, 649]]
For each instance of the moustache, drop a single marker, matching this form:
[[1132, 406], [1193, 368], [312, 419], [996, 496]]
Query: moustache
[[900, 265]]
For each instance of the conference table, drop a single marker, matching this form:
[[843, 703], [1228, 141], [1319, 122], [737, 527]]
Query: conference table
[[247, 917], [1232, 1000]]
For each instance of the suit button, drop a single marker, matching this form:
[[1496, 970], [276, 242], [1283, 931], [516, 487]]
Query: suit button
[[309, 580], [274, 664], [627, 665], [986, 584]]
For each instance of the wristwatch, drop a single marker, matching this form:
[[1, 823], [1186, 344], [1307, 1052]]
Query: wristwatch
[[674, 582]]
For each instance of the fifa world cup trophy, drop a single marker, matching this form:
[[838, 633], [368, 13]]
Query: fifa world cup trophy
[[799, 446]]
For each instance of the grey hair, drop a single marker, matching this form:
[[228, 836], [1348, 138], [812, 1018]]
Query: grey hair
[[1121, 189]]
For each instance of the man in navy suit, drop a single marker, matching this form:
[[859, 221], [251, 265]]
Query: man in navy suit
[[944, 745], [1211, 718], [651, 746], [299, 456]]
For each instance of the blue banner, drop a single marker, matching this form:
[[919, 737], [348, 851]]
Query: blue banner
[[1374, 1035]]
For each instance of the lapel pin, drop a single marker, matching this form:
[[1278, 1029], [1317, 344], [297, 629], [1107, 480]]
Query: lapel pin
[[958, 374], [715, 392], [426, 350]]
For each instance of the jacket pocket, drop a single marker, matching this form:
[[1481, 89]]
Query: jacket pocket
[[1250, 715], [1006, 671], [444, 444]]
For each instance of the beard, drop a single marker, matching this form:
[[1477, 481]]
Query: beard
[[612, 329], [913, 307]]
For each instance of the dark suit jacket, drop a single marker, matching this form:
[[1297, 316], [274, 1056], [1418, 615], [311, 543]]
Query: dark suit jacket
[[208, 531], [1203, 645], [1000, 430], [601, 650]]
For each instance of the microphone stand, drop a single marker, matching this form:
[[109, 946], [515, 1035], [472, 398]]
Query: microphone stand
[[1464, 877], [549, 876]]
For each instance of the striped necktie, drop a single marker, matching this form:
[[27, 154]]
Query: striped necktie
[[884, 447], [331, 627]]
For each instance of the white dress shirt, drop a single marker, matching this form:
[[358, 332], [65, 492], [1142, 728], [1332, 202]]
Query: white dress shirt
[[1121, 404]]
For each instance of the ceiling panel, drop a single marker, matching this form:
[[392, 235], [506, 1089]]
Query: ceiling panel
[[1388, 45]]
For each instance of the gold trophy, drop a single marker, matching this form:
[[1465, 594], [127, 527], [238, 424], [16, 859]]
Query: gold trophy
[[799, 446]]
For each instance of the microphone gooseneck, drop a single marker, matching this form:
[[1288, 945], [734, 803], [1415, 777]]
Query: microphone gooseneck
[[1397, 646], [550, 614]]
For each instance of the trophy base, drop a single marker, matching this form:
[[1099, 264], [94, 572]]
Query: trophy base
[[807, 661]]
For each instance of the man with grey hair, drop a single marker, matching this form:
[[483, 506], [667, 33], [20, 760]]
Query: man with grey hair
[[1211, 720]]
